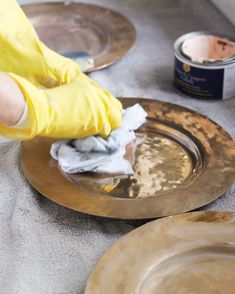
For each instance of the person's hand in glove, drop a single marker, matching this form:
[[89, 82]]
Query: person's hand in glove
[[43, 93]]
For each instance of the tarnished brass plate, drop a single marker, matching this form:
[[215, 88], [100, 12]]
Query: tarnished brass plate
[[103, 33], [185, 254], [182, 160]]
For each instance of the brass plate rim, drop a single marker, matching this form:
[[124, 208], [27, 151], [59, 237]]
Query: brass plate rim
[[131, 40], [111, 207], [170, 222]]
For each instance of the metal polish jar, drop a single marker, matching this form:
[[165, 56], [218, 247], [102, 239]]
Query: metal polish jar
[[212, 79]]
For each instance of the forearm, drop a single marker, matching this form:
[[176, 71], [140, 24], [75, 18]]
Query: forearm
[[12, 101]]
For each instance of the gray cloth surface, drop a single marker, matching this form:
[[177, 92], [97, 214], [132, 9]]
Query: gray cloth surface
[[48, 249]]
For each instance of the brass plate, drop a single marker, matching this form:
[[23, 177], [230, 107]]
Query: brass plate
[[105, 34], [185, 161], [185, 254]]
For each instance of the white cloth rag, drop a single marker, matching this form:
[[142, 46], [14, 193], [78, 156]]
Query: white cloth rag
[[95, 154]]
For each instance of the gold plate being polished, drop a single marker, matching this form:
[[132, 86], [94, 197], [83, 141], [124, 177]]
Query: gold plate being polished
[[182, 160], [185, 254], [104, 34]]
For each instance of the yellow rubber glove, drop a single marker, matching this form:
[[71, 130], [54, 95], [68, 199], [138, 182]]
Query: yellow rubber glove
[[62, 101]]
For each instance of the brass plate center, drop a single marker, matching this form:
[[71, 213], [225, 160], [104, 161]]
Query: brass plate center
[[58, 38], [160, 164], [187, 273]]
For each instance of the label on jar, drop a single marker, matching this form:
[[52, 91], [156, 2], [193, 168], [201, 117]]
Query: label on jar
[[229, 82], [201, 82]]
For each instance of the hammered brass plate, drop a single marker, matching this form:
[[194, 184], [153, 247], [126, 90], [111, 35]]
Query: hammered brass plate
[[182, 160], [104, 34], [185, 254]]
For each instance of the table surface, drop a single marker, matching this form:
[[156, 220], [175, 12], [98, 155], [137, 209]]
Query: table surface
[[46, 248]]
